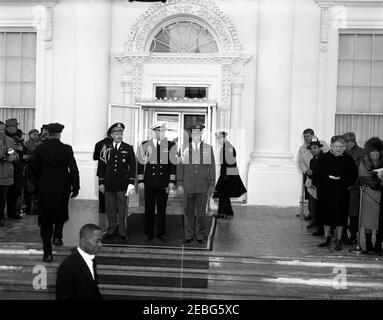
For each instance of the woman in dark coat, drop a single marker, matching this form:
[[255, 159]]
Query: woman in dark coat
[[229, 184], [334, 173]]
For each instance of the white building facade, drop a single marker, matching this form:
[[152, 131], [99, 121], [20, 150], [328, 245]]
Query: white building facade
[[263, 70]]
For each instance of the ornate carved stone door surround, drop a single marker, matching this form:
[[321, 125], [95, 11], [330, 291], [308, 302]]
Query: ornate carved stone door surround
[[230, 56]]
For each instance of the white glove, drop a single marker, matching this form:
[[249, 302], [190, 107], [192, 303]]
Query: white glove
[[130, 189]]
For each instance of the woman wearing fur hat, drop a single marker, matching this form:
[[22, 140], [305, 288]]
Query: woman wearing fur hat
[[369, 180]]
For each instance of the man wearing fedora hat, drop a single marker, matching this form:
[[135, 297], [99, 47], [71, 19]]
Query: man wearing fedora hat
[[96, 157], [55, 169], [315, 147], [157, 176], [196, 178], [117, 173], [14, 200]]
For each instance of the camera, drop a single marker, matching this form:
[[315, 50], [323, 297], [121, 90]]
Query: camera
[[6, 154]]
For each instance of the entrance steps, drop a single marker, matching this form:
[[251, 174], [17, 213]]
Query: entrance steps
[[155, 273]]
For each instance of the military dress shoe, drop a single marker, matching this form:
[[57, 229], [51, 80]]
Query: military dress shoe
[[338, 245], [148, 238], [48, 258], [123, 238], [163, 238], [202, 241], [219, 216], [107, 236], [378, 249], [2, 223], [58, 242], [352, 241], [325, 243], [186, 241]]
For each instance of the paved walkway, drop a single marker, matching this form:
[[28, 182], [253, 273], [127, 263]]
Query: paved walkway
[[255, 231]]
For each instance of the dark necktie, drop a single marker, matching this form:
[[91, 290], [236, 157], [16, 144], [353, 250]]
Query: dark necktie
[[95, 269], [158, 152]]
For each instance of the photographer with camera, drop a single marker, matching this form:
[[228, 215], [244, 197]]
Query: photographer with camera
[[8, 156], [14, 194]]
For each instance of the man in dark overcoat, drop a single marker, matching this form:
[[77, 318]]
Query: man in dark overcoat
[[96, 157], [116, 180], [196, 179], [157, 176], [55, 169], [229, 183]]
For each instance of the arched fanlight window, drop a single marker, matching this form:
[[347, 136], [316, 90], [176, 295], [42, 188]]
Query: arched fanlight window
[[184, 37]]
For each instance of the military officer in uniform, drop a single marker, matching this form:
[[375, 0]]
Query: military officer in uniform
[[96, 157], [157, 176], [55, 169], [196, 179], [229, 182], [117, 174]]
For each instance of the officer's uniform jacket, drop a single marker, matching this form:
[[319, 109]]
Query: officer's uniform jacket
[[117, 169], [196, 172], [157, 167]]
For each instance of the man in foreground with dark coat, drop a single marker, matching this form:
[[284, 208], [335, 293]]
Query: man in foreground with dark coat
[[77, 275], [229, 183], [96, 157], [55, 169]]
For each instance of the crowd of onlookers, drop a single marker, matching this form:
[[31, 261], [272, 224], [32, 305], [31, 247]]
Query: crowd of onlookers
[[18, 190], [342, 183]]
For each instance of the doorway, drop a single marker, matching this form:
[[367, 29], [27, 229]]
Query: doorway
[[178, 123]]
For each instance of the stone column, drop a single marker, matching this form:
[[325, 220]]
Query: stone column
[[92, 70], [91, 85], [272, 175]]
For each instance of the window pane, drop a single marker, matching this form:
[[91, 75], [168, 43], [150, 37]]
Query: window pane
[[13, 44], [377, 100], [2, 38], [29, 44], [346, 46], [28, 70], [344, 103], [362, 99], [378, 74], [1, 93], [12, 94], [28, 94], [183, 37], [345, 73], [378, 47], [363, 47], [13, 70], [362, 73], [2, 71]]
